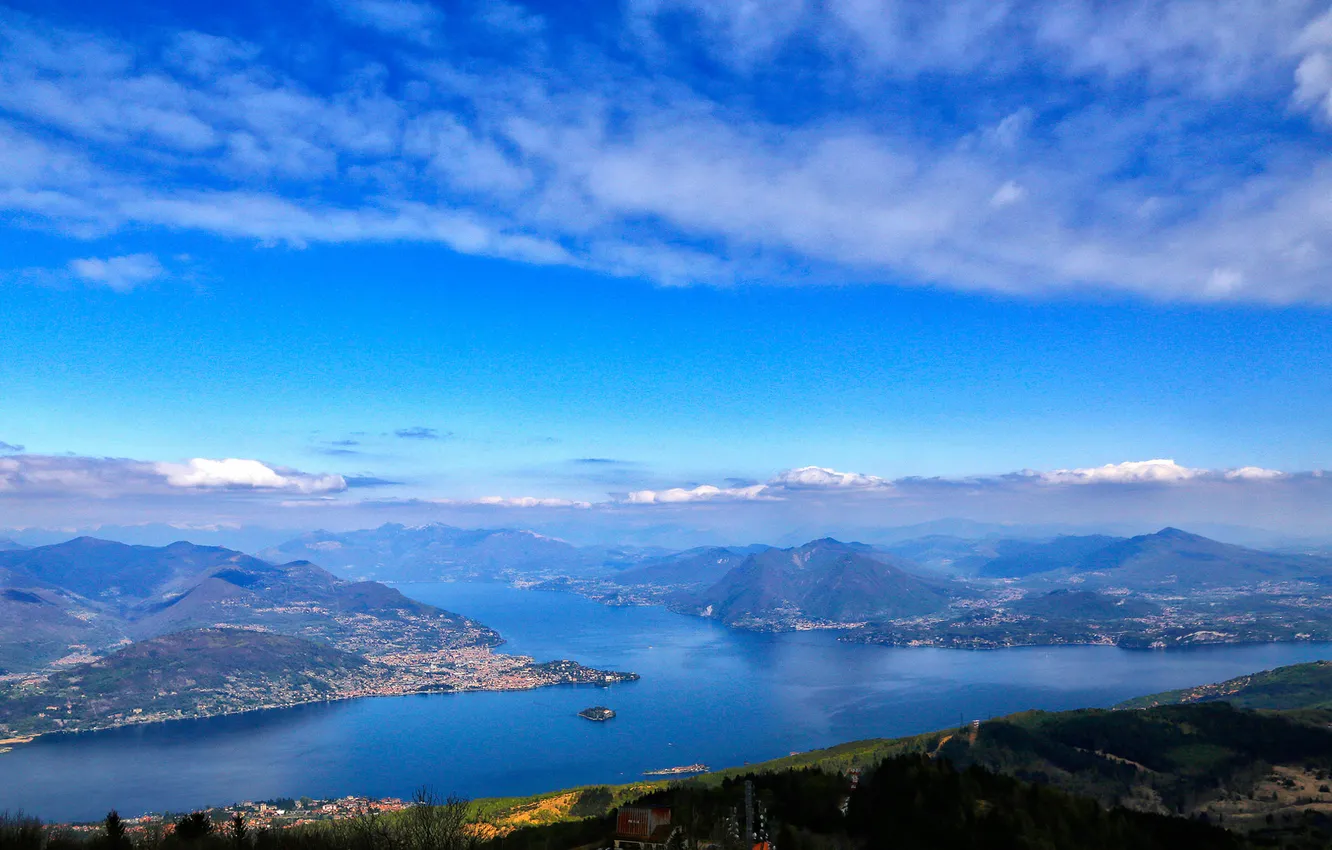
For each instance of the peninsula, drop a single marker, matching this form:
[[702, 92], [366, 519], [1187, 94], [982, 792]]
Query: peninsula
[[192, 631]]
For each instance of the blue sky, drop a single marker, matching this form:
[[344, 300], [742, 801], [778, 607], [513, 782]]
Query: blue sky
[[630, 265]]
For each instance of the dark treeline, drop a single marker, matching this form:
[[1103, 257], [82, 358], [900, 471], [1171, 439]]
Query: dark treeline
[[912, 802]]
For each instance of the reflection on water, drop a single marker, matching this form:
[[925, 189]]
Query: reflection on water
[[707, 695]]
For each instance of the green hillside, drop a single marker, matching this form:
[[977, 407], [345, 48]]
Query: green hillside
[[1299, 686], [188, 674]]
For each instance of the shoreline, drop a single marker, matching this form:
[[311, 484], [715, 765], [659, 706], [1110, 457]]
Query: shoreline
[[9, 744], [855, 633]]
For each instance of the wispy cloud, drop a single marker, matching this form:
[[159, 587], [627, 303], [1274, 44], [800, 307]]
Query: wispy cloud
[[410, 19], [625, 164], [509, 17], [418, 432], [526, 502], [10, 447], [362, 481], [118, 273]]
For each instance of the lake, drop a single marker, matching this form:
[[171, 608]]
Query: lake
[[708, 694]]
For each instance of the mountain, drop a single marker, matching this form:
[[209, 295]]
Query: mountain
[[7, 545], [105, 569], [395, 552], [191, 673], [704, 565], [1019, 558], [39, 625], [1069, 605], [1176, 558], [824, 580], [1169, 558], [87, 595], [1298, 686]]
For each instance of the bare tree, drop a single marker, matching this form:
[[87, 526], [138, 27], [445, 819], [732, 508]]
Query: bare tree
[[437, 823], [369, 831]]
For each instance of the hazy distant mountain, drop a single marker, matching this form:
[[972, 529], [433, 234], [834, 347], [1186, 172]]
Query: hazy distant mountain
[[1018, 558], [1180, 559], [396, 552], [105, 569], [821, 580], [87, 595], [8, 545], [1169, 557], [997, 557], [704, 565]]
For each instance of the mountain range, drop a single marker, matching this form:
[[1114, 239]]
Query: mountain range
[[83, 596], [431, 552], [1169, 558]]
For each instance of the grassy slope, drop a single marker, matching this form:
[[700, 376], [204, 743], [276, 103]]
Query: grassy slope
[[1176, 759]]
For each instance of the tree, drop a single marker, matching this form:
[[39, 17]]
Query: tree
[[116, 839], [437, 823], [194, 827], [238, 831], [368, 831]]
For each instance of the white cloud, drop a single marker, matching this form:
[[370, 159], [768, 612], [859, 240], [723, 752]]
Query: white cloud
[[75, 476], [118, 273], [823, 478], [701, 493], [1313, 76], [1129, 472], [242, 473], [1254, 473], [1007, 194]]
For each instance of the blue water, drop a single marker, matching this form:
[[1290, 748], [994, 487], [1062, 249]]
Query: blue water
[[707, 695]]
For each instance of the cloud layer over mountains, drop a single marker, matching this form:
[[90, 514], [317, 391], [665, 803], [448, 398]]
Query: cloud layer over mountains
[[58, 491], [1174, 149]]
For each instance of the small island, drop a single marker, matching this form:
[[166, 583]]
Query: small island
[[598, 713], [678, 771]]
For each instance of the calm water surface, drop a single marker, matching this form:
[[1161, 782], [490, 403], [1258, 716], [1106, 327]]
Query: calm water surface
[[707, 695]]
